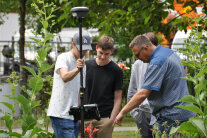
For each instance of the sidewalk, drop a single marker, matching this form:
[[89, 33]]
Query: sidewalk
[[125, 128]]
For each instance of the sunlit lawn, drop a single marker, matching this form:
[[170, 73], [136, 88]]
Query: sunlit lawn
[[128, 122], [125, 134]]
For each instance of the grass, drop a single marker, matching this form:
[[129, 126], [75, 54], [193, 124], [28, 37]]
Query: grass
[[125, 134], [128, 121]]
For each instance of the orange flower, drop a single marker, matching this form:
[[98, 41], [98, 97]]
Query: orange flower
[[95, 130], [91, 130], [122, 66]]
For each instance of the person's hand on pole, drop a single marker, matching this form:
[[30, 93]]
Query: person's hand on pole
[[80, 63]]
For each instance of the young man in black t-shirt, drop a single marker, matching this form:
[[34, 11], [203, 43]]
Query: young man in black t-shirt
[[104, 80]]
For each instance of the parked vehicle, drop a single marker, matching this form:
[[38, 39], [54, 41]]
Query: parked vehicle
[[10, 65], [180, 37]]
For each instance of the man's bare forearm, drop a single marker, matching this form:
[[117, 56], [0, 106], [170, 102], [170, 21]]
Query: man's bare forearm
[[136, 100]]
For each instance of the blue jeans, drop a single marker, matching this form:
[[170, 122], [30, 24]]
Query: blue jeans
[[65, 128], [165, 124]]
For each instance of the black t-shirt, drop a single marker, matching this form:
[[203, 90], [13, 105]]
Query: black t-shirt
[[101, 83]]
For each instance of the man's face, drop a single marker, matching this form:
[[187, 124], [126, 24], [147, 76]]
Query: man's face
[[141, 53], [83, 52], [103, 55], [77, 52]]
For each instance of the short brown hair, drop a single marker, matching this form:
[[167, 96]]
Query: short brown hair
[[139, 41], [106, 42], [152, 37]]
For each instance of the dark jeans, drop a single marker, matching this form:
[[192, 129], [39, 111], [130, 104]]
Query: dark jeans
[[65, 128], [164, 125], [143, 123]]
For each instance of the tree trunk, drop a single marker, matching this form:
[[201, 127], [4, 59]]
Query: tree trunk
[[22, 12]]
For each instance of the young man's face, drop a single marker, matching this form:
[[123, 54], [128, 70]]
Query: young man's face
[[77, 52], [103, 55], [83, 52]]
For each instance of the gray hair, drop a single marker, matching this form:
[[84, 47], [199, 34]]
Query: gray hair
[[139, 41]]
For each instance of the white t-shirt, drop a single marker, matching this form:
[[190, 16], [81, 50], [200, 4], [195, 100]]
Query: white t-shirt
[[64, 94], [136, 81]]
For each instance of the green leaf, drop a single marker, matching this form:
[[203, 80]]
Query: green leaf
[[189, 78], [10, 97], [45, 32], [192, 108], [41, 12], [51, 16], [198, 88], [38, 41], [189, 64], [188, 99], [173, 130], [202, 96], [147, 19], [48, 37], [186, 127], [44, 135], [28, 123], [204, 57], [36, 83], [42, 53], [35, 131], [202, 71], [10, 106], [45, 67], [45, 24], [199, 124], [32, 71], [48, 48], [35, 104], [28, 91], [15, 134], [24, 104], [9, 121]]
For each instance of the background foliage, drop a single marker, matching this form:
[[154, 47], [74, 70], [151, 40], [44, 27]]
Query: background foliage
[[195, 60], [31, 122], [123, 20]]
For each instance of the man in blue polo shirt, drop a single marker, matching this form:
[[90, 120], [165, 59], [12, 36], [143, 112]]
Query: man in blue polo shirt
[[163, 85]]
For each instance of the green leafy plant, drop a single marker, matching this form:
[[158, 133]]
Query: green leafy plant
[[32, 124], [196, 57], [8, 116]]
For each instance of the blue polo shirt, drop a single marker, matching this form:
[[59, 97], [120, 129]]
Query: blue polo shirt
[[163, 77]]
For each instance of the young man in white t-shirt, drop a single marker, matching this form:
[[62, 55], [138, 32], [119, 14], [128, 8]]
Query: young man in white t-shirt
[[66, 86]]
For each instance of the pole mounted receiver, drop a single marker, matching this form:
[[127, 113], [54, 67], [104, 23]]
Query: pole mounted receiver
[[80, 12]]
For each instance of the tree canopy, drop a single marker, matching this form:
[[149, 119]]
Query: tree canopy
[[121, 19]]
